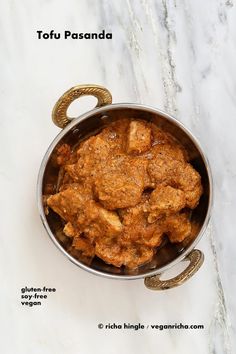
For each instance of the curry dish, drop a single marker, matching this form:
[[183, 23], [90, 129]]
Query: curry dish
[[122, 191]]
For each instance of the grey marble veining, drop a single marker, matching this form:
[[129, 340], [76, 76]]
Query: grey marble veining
[[176, 55]]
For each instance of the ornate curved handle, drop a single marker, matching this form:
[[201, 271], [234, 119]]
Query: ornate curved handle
[[196, 259], [59, 113]]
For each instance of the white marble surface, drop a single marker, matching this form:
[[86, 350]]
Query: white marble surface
[[175, 55]]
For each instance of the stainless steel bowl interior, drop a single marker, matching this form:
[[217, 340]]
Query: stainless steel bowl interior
[[89, 124]]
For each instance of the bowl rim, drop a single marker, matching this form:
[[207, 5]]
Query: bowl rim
[[81, 118]]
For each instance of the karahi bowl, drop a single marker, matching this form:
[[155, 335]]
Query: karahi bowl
[[77, 129]]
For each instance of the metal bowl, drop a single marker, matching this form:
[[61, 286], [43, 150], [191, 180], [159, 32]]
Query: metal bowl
[[77, 129]]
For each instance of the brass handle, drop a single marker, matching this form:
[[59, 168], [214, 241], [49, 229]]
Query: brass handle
[[196, 259], [59, 113]]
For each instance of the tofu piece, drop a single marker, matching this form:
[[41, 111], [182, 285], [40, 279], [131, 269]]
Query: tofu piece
[[110, 219], [121, 183], [139, 137], [69, 230], [130, 256], [68, 202], [99, 222], [84, 246], [164, 201], [178, 227], [189, 181]]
